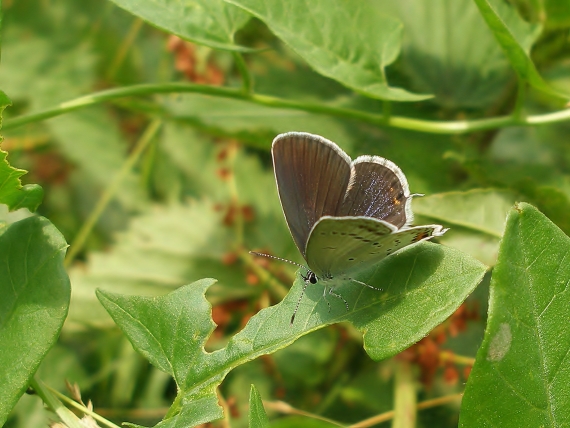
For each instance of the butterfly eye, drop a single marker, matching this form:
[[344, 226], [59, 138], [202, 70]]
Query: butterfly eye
[[312, 278]]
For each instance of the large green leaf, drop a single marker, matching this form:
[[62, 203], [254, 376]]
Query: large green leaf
[[422, 285], [35, 293], [349, 43], [515, 37], [524, 356], [12, 193], [208, 22]]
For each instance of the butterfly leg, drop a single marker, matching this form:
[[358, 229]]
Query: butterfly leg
[[325, 297], [332, 293], [363, 283]]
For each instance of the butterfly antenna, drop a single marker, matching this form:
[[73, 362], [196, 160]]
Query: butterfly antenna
[[277, 258], [306, 278], [298, 303]]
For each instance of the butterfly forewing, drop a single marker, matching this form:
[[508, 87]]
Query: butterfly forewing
[[342, 245], [378, 189], [312, 176]]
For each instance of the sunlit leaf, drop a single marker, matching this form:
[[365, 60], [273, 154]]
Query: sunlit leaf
[[208, 22], [524, 356], [35, 293], [460, 70], [352, 45], [422, 286]]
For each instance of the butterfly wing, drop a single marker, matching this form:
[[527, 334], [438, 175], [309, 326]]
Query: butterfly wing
[[343, 245], [312, 175], [378, 189]]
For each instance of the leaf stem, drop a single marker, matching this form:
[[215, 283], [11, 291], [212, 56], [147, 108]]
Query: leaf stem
[[386, 416], [521, 98], [111, 190], [247, 80], [65, 415], [405, 400], [287, 409], [124, 48], [448, 356], [275, 287], [436, 127], [81, 408]]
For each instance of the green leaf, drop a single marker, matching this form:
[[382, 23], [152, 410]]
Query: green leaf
[[524, 356], [449, 38], [422, 286], [558, 13], [35, 293], [207, 22], [481, 210], [257, 416], [12, 193], [515, 37], [351, 45], [476, 219]]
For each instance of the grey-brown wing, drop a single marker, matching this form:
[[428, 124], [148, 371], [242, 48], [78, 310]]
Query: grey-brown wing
[[312, 175], [378, 189], [342, 245]]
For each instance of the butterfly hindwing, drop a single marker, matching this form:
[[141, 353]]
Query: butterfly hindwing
[[378, 189], [340, 245]]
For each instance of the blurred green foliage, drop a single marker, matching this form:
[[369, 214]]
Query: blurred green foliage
[[202, 193]]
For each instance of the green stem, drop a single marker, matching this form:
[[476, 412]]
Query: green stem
[[521, 98], [65, 415], [386, 416], [124, 48], [247, 80], [82, 408], [111, 190], [405, 401], [436, 127]]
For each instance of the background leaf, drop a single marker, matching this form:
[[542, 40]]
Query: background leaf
[[35, 290], [257, 416], [524, 356], [515, 37], [460, 71], [207, 22], [350, 45]]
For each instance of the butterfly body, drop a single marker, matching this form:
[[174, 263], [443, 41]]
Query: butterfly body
[[344, 216]]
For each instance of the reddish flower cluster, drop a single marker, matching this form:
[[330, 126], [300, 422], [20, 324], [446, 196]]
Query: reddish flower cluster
[[195, 69]]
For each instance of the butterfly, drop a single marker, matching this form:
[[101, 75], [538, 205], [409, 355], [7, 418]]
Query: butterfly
[[344, 215]]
